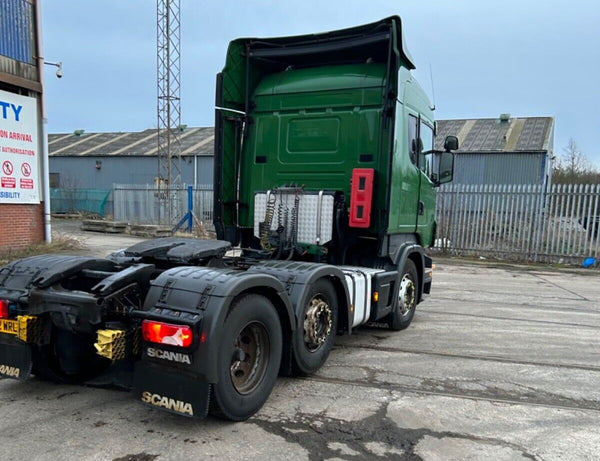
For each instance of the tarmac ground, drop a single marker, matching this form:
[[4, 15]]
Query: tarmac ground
[[500, 362]]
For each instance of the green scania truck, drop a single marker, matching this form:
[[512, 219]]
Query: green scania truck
[[324, 180]]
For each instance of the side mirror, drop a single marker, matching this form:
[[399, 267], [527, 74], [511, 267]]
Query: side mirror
[[446, 165], [451, 143]]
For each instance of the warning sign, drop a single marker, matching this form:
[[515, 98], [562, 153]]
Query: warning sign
[[19, 179], [9, 183], [26, 183], [7, 168], [26, 169]]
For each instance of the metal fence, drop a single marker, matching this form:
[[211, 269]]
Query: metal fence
[[140, 204], [514, 222], [518, 222]]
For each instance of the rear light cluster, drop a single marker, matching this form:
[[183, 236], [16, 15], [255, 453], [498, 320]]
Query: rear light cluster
[[4, 308], [166, 333]]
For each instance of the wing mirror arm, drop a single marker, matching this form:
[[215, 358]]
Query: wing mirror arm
[[445, 162]]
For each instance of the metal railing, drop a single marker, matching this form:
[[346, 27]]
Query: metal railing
[[141, 204], [517, 222]]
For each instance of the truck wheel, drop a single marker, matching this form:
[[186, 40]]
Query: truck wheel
[[315, 335], [249, 358], [404, 309]]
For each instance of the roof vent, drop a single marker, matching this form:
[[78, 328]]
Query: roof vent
[[504, 117], [78, 132]]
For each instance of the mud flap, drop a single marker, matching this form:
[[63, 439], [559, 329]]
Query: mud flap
[[15, 361], [171, 390]]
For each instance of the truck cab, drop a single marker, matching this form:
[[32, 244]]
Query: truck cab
[[324, 148]]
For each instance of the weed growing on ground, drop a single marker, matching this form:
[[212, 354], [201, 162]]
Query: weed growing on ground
[[59, 244]]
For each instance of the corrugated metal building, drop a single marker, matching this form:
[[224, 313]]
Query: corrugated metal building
[[21, 136], [100, 160], [501, 150], [492, 151]]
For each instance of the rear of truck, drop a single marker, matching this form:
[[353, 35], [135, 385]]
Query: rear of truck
[[311, 161], [187, 328], [305, 116], [321, 146], [51, 308], [136, 320]]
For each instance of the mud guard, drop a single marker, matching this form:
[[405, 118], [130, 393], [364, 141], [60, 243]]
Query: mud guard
[[199, 297], [297, 277], [180, 393], [15, 359]]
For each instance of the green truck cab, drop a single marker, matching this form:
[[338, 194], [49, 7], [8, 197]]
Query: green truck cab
[[332, 112]]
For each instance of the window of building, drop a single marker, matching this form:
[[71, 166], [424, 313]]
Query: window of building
[[54, 180]]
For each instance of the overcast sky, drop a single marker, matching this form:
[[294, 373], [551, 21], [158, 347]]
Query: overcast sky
[[527, 58]]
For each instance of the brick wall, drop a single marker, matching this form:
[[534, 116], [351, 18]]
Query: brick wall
[[21, 226]]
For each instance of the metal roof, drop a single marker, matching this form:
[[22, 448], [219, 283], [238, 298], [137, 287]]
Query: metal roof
[[523, 134], [519, 134], [194, 141]]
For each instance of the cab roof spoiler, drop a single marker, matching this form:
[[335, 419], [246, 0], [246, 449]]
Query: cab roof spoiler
[[355, 44]]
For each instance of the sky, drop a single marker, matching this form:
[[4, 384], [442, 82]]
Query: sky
[[523, 57]]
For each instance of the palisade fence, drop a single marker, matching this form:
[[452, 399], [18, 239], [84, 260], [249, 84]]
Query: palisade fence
[[140, 204], [520, 222], [512, 222]]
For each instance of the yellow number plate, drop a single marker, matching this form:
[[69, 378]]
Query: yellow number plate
[[10, 327]]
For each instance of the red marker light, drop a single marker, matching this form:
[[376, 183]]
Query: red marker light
[[166, 333], [3, 309]]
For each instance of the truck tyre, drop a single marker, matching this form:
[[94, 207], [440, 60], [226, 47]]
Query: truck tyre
[[406, 304], [315, 334], [248, 359]]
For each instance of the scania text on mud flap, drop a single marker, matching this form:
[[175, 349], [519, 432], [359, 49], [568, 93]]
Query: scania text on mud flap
[[324, 177]]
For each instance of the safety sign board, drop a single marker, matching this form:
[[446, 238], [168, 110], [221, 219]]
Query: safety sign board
[[19, 149]]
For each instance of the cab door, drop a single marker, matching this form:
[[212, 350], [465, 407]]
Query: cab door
[[426, 205], [406, 176]]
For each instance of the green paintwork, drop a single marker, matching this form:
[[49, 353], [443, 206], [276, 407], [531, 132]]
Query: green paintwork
[[310, 126], [409, 184]]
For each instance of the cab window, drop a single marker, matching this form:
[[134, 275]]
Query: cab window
[[413, 145], [426, 137]]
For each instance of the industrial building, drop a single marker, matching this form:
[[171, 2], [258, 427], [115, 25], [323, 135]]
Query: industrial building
[[86, 167], [22, 187], [503, 150], [100, 160]]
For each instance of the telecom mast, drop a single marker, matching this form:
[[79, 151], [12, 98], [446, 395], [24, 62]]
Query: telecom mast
[[169, 109]]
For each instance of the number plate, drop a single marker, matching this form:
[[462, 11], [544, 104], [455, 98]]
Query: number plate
[[10, 327]]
